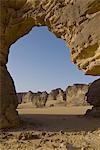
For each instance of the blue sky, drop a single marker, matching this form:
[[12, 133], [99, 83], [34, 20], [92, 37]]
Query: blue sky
[[40, 61]]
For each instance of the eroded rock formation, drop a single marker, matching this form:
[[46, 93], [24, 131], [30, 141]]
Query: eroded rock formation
[[56, 97], [72, 20], [93, 97], [76, 22], [20, 97], [39, 99], [75, 95], [8, 100], [27, 97]]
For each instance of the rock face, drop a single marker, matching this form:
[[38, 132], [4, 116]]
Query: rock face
[[56, 97], [27, 97], [20, 97], [93, 97], [39, 99], [76, 22], [8, 100], [75, 95]]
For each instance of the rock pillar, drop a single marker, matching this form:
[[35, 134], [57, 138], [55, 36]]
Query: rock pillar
[[8, 98]]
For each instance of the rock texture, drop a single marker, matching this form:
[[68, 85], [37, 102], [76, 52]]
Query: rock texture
[[93, 97], [20, 97], [56, 97], [27, 97], [8, 100], [39, 99], [75, 95], [76, 22]]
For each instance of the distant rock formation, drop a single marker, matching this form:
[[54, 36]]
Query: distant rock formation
[[27, 97], [75, 95], [56, 97], [20, 96], [39, 99]]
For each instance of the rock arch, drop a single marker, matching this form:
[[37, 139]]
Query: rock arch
[[76, 22]]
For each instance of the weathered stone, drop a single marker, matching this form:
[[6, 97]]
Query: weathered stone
[[53, 94], [39, 99], [76, 22], [75, 95], [56, 97], [8, 100], [93, 97], [20, 97], [27, 97], [94, 112], [44, 97], [93, 94]]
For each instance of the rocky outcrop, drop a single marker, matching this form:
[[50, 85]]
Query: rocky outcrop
[[27, 97], [39, 99], [75, 95], [56, 97], [8, 100], [20, 97], [93, 97], [75, 22]]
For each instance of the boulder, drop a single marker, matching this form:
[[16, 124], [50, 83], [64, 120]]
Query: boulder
[[39, 99], [75, 95], [56, 97], [93, 98], [93, 93], [27, 97]]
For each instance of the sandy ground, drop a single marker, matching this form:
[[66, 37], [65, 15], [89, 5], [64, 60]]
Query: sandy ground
[[52, 128]]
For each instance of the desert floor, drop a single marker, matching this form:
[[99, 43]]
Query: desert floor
[[52, 128]]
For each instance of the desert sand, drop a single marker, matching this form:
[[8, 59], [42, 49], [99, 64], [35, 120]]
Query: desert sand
[[52, 128]]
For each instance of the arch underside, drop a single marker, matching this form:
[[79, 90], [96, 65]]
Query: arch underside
[[76, 22]]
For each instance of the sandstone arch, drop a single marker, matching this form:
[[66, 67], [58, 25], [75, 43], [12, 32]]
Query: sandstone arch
[[76, 22]]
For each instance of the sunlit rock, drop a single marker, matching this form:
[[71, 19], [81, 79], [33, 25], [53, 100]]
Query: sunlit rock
[[75, 95], [77, 22]]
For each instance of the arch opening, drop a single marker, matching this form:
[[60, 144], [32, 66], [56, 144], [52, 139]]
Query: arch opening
[[40, 58], [58, 57], [72, 21]]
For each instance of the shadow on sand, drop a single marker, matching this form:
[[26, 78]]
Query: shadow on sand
[[56, 123]]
